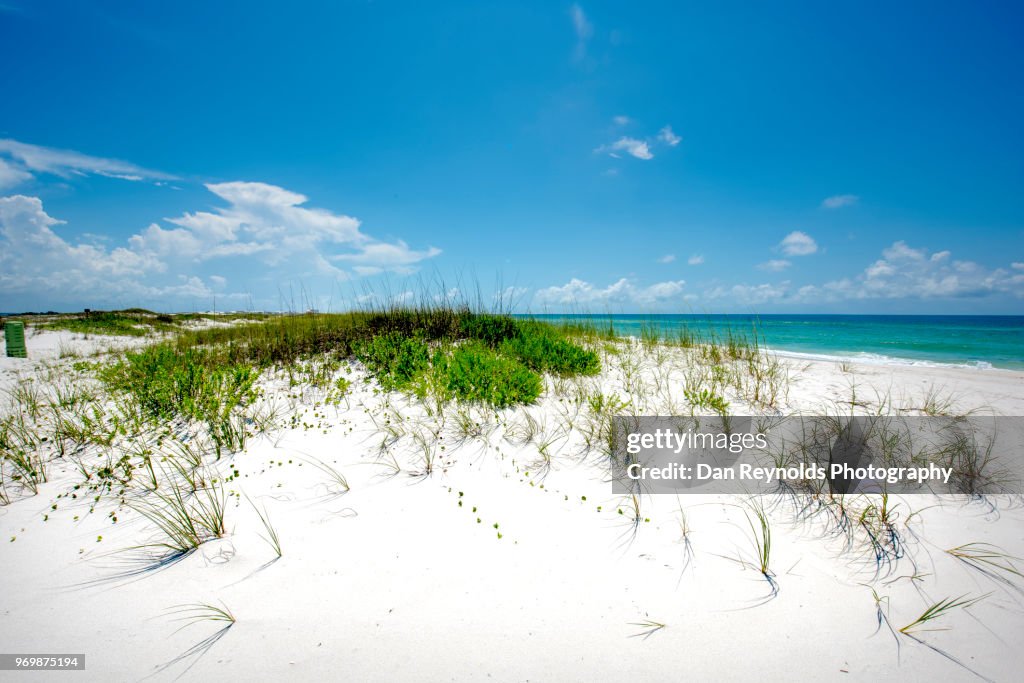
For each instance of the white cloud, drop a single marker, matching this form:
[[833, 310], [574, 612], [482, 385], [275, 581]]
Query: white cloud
[[1017, 265], [263, 222], [511, 295], [696, 260], [11, 175], [641, 149], [631, 146], [396, 257], [667, 258], [582, 293], [34, 258], [584, 30], [668, 137], [33, 159], [270, 222], [621, 120], [751, 294], [450, 296], [798, 243], [908, 272], [775, 265], [839, 201]]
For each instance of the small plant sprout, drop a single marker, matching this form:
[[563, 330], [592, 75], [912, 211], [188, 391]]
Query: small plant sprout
[[196, 613], [761, 540], [649, 628], [338, 483], [938, 610], [988, 559], [272, 539]]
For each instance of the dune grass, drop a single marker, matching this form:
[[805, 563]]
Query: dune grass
[[937, 611]]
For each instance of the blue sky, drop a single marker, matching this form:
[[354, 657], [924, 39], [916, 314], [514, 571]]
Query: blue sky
[[707, 157]]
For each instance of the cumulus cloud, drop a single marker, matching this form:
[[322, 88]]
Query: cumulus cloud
[[668, 137], [667, 258], [27, 160], [775, 265], [580, 292], [798, 243], [908, 272], [262, 222], [696, 260], [34, 258], [271, 223], [839, 201]]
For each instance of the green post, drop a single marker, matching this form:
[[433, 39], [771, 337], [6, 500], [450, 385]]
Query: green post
[[14, 334]]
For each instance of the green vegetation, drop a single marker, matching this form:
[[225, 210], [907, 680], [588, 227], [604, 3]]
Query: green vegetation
[[441, 352], [133, 322], [474, 372], [939, 609], [545, 349], [394, 358], [112, 323]]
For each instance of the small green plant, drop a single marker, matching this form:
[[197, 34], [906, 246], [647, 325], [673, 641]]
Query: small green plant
[[988, 559], [338, 481], [707, 400], [199, 612], [761, 540], [272, 539], [649, 628], [185, 521], [938, 610]]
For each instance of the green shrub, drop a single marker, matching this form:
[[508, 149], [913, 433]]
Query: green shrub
[[490, 329], [101, 323], [474, 372], [543, 351], [394, 358], [167, 383]]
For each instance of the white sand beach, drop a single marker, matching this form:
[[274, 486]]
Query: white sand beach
[[512, 560]]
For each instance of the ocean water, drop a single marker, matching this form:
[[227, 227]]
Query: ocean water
[[979, 341]]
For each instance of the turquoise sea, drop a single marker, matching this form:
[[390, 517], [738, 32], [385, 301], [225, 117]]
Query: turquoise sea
[[978, 341]]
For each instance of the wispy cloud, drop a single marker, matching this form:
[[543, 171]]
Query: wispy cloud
[[798, 243], [584, 31], [638, 147], [11, 175], [775, 265], [696, 260], [667, 258], [621, 120], [631, 146], [668, 137], [29, 160], [839, 201]]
